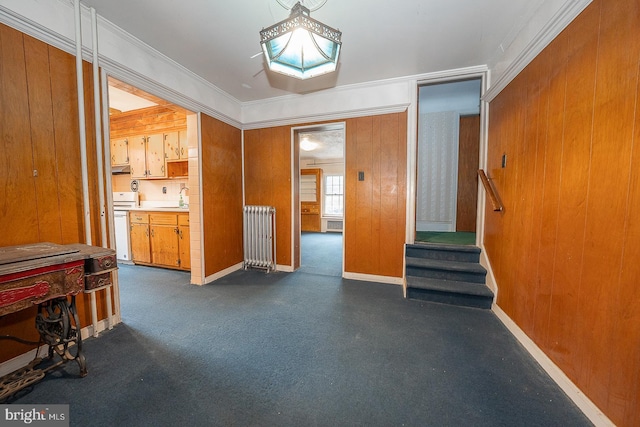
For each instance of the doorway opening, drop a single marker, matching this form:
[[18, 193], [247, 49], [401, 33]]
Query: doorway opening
[[448, 153], [152, 145], [321, 195]]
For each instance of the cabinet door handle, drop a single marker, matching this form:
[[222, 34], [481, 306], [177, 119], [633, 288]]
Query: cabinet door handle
[[152, 233], [182, 151]]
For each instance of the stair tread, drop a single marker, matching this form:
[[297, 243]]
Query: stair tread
[[446, 265], [444, 247], [450, 286]]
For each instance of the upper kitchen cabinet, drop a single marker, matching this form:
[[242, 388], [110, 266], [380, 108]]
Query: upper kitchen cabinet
[[155, 156], [153, 138], [147, 156], [175, 145], [119, 151], [138, 156]]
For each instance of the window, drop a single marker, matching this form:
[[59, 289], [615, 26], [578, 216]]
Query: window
[[333, 195]]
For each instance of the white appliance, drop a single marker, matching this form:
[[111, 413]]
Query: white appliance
[[122, 203]]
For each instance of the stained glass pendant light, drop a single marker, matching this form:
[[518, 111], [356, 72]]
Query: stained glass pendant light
[[300, 46]]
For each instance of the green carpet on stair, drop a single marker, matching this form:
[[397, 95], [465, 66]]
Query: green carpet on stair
[[453, 238]]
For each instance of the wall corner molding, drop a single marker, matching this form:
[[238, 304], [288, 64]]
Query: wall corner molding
[[567, 13]]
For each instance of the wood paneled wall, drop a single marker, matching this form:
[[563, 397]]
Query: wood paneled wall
[[267, 180], [39, 132], [467, 199], [565, 250], [221, 194], [375, 209]]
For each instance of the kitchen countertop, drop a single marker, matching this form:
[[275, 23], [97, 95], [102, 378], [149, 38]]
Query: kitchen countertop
[[158, 209]]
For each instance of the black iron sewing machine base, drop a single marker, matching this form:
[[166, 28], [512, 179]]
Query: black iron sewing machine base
[[58, 325]]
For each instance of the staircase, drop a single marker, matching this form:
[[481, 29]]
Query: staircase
[[449, 274]]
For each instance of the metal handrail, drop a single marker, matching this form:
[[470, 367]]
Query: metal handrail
[[495, 201]]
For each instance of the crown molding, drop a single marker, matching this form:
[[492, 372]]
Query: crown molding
[[120, 72], [397, 107], [328, 117], [36, 30], [107, 25], [57, 40], [433, 76], [561, 19]]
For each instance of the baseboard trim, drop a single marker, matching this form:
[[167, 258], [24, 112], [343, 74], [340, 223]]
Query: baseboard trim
[[222, 273], [103, 325], [374, 278], [22, 360], [284, 268], [591, 411]]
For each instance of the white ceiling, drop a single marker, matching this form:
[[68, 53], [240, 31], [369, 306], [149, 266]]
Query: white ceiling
[[381, 39], [124, 101], [327, 143]]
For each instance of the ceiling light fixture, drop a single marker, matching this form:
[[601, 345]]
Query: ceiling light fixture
[[300, 46], [306, 145]]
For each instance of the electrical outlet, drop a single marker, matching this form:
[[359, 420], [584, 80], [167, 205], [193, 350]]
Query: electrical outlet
[[164, 190]]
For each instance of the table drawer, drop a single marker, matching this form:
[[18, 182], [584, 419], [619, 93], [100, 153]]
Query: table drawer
[[100, 263], [97, 280]]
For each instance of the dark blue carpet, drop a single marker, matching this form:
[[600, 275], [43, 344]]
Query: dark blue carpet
[[298, 349], [321, 253]]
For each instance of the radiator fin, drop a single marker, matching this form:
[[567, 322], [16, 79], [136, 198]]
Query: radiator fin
[[259, 230], [334, 225]]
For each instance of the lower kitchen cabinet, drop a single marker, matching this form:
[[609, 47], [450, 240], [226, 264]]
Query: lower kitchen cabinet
[[184, 243], [139, 238], [163, 228], [164, 242]]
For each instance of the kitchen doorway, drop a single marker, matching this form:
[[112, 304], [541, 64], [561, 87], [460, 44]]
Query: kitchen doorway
[[321, 197], [153, 148]]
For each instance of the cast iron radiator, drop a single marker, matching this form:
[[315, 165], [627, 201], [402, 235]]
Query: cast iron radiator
[[259, 231]]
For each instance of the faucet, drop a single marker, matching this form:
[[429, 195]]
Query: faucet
[[181, 201]]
